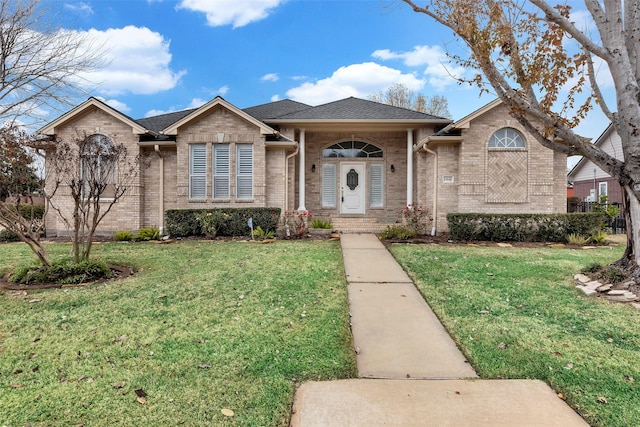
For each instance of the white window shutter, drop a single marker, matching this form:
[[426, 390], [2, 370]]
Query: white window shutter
[[221, 171], [244, 171], [198, 171], [376, 185], [328, 185]]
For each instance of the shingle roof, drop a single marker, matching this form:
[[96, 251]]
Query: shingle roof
[[357, 109], [275, 109], [157, 123]]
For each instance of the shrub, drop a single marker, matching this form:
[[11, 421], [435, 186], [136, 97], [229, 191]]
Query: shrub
[[259, 233], [123, 236], [294, 225], [211, 222], [397, 232], [521, 227], [8, 236], [184, 222], [146, 234], [62, 272], [576, 239], [598, 236], [324, 224], [417, 219]]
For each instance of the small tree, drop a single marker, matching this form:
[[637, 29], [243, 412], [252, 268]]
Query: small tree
[[399, 95], [40, 63], [96, 173], [19, 183]]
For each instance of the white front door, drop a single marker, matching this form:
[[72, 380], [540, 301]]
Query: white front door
[[352, 188]]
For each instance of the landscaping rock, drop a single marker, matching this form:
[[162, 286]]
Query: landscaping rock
[[557, 245], [581, 278], [622, 298], [593, 285], [505, 245], [636, 306], [617, 292], [586, 290], [604, 288]]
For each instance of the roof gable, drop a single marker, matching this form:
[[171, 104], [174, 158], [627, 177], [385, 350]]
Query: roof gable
[[172, 129], [605, 136], [89, 104], [465, 122]]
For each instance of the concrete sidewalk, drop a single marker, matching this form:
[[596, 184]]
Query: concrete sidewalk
[[412, 373]]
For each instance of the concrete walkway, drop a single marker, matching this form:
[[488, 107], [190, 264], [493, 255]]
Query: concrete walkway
[[411, 372]]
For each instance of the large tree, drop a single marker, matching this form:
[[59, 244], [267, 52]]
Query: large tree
[[399, 95], [542, 64], [40, 63]]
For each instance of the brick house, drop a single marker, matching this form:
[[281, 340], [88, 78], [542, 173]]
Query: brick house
[[589, 181], [357, 162]]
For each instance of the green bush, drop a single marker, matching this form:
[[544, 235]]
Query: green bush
[[123, 236], [577, 239], [324, 224], [397, 232], [62, 272], [259, 233], [8, 236], [146, 234], [184, 222], [26, 210], [521, 227]]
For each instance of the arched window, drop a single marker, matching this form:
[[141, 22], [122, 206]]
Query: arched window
[[507, 138], [351, 149], [98, 160]]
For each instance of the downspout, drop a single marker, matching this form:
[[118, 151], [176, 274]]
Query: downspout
[[286, 177], [435, 188], [161, 189]]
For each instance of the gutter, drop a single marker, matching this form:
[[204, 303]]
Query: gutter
[[435, 188]]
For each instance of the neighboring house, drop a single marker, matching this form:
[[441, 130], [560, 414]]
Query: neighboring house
[[357, 162], [589, 181]]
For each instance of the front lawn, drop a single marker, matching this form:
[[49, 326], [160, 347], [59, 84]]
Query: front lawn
[[202, 327], [515, 313]]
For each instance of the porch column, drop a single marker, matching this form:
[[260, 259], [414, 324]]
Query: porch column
[[409, 167], [301, 174]]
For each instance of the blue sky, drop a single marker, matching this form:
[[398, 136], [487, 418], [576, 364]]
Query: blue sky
[[171, 55]]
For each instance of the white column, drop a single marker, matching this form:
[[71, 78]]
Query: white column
[[409, 166], [301, 174]]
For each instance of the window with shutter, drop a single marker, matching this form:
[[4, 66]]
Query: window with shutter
[[198, 171], [329, 185], [221, 171], [244, 171], [376, 185]]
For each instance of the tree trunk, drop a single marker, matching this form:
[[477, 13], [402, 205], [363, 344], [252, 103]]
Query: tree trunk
[[629, 260]]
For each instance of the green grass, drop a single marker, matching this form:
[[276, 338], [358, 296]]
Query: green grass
[[515, 313], [203, 326]]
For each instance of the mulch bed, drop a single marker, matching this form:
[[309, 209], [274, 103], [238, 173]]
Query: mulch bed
[[117, 272]]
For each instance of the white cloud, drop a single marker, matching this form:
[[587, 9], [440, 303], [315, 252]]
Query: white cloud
[[118, 105], [137, 62], [271, 77], [80, 7], [275, 98], [359, 80], [438, 67], [196, 103], [231, 12], [222, 90]]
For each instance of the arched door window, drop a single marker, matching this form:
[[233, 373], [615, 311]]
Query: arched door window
[[352, 149]]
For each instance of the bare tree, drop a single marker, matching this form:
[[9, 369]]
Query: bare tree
[[399, 95], [542, 66], [97, 173], [21, 211], [40, 63]]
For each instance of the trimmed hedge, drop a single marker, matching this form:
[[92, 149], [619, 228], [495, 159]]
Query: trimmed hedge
[[522, 227], [183, 222]]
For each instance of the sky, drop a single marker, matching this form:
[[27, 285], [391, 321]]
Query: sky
[[165, 56]]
